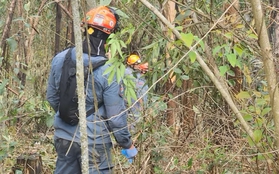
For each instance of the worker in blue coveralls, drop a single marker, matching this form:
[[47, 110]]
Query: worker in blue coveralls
[[99, 23], [137, 69]]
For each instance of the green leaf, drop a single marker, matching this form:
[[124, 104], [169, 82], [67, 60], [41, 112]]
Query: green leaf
[[190, 163], [253, 36], [265, 111], [18, 171], [185, 77], [154, 77], [261, 157], [178, 83], [111, 75], [118, 75], [257, 135], [113, 49], [179, 28], [238, 50], [229, 35], [261, 102], [177, 70], [27, 6], [49, 121], [118, 47], [122, 44], [201, 43], [216, 50], [187, 39], [250, 141], [12, 43], [154, 44], [243, 95], [223, 70], [132, 93], [232, 59], [231, 73], [109, 69], [260, 121], [112, 60], [122, 70], [105, 2], [120, 13], [248, 117], [3, 86], [192, 56]]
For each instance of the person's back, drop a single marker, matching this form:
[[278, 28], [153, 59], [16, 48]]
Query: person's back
[[98, 134], [110, 117]]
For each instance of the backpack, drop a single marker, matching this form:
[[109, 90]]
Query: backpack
[[68, 107]]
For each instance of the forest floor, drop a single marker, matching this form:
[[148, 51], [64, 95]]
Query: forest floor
[[203, 150]]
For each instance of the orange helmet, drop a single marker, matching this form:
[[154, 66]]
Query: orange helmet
[[102, 18]]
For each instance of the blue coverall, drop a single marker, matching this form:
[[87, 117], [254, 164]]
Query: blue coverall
[[99, 141], [140, 88]]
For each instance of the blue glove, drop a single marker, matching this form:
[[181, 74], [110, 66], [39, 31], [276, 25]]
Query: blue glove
[[130, 153]]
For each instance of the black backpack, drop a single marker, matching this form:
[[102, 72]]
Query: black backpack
[[68, 107]]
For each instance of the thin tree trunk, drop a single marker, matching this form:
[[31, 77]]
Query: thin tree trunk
[[28, 45], [169, 12], [8, 23], [21, 45], [58, 28], [70, 31], [269, 66], [276, 29], [80, 88], [274, 33]]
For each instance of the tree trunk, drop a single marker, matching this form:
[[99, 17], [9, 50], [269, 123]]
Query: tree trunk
[[276, 29], [169, 12], [5, 34], [7, 27], [268, 60], [28, 44], [274, 34], [58, 28], [80, 88], [70, 33]]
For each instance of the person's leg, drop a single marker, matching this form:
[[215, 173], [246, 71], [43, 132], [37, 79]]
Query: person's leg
[[100, 159], [70, 163]]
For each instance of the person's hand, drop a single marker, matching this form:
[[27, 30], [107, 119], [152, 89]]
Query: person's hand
[[130, 153]]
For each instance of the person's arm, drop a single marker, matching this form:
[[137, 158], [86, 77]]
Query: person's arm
[[117, 118], [52, 92]]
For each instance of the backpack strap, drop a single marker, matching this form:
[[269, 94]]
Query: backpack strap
[[67, 77], [95, 66]]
